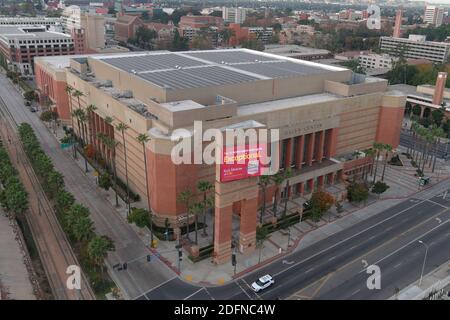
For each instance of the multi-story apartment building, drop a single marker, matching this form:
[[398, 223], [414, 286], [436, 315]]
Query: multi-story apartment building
[[88, 30], [54, 23], [434, 15], [323, 114], [416, 47], [190, 25], [376, 61], [234, 15], [21, 44]]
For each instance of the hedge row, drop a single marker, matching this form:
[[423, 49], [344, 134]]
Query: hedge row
[[90, 249]]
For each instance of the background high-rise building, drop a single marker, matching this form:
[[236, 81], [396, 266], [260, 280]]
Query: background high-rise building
[[234, 15], [434, 15]]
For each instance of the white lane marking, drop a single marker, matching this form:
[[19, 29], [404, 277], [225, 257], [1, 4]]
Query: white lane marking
[[237, 282], [159, 285], [355, 292], [333, 257], [397, 265], [437, 204], [344, 240], [309, 270], [193, 294]]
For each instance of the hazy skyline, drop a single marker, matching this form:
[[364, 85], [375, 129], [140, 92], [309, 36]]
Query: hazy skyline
[[434, 1]]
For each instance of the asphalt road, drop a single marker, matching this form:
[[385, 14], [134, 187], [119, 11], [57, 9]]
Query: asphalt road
[[334, 265], [329, 268]]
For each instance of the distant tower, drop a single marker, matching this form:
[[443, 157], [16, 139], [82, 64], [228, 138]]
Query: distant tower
[[439, 88], [398, 24]]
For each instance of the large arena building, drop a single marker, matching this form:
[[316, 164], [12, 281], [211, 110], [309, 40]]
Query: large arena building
[[323, 114]]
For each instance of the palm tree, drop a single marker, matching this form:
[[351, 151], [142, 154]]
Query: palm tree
[[83, 228], [204, 187], [89, 110], [287, 175], [196, 209], [77, 94], [263, 182], [143, 138], [81, 118], [185, 197], [369, 153], [111, 144], [69, 91], [122, 127], [378, 147], [278, 179], [98, 248], [388, 149]]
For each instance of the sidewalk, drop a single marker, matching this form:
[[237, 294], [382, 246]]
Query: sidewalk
[[434, 281]]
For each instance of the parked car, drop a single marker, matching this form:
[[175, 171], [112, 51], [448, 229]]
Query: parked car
[[33, 109], [262, 283], [307, 205]]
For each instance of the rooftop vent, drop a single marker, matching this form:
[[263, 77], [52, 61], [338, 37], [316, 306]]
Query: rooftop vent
[[127, 94]]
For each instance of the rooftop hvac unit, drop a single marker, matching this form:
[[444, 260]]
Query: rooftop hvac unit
[[108, 83]]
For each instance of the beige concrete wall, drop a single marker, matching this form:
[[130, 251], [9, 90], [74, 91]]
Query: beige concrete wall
[[358, 122]]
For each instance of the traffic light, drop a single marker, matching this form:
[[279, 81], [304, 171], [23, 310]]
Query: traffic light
[[233, 259], [125, 266], [180, 255], [149, 257]]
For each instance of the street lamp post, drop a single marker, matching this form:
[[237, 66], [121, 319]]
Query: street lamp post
[[424, 260], [289, 238]]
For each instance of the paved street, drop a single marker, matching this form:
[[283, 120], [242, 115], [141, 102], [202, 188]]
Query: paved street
[[332, 267]]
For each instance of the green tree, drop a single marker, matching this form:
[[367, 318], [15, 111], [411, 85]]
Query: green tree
[[122, 127], [140, 217], [388, 149], [75, 212], [357, 192], [63, 201], [30, 95], [379, 187], [104, 181], [55, 183], [204, 187], [277, 179], [143, 138], [196, 209], [98, 248], [321, 201], [83, 228], [179, 43], [262, 234], [263, 183], [185, 197]]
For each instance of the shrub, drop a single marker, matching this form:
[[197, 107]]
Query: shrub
[[357, 192], [321, 201], [379, 187]]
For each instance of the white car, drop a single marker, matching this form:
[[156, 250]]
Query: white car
[[262, 283]]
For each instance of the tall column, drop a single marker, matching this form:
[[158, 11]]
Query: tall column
[[299, 155], [332, 142], [301, 188], [310, 149], [222, 233], [422, 110], [247, 232], [287, 158], [320, 182], [319, 152], [331, 178], [310, 184]]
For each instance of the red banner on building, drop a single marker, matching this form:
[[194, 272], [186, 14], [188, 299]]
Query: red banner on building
[[241, 162]]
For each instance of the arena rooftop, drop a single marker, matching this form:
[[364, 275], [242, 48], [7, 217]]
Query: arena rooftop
[[193, 69]]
